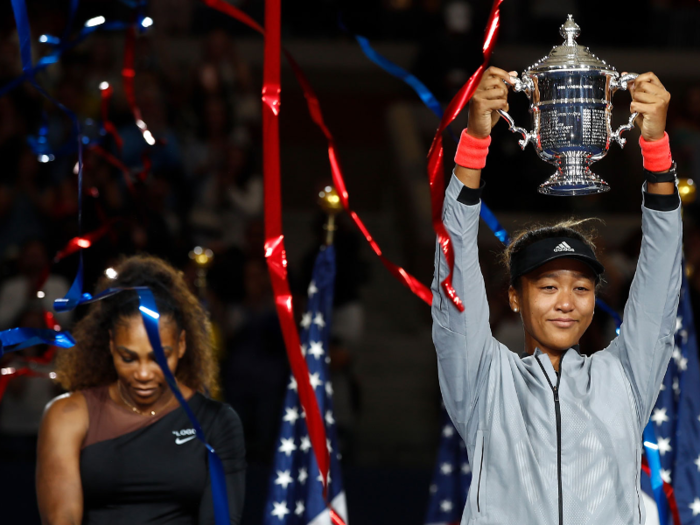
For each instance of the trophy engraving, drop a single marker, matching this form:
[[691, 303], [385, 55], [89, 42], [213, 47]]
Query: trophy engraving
[[570, 92]]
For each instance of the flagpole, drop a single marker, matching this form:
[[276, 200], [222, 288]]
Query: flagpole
[[329, 201], [688, 193]]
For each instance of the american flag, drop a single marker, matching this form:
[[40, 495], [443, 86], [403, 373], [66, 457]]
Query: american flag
[[676, 421], [295, 495], [451, 478]]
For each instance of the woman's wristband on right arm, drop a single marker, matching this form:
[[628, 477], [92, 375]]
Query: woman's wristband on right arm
[[472, 152]]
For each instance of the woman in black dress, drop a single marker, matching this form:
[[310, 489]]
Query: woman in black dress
[[118, 448]]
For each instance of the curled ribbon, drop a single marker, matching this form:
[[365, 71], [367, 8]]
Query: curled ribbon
[[275, 254], [106, 92], [29, 338], [432, 103], [393, 69], [11, 373], [314, 108], [128, 77], [18, 338], [39, 144], [436, 170], [19, 9], [274, 244]]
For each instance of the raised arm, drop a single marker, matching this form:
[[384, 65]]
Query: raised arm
[[463, 340], [646, 336], [58, 486]]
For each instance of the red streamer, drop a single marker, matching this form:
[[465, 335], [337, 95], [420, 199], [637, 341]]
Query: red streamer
[[274, 239], [106, 95], [234, 12], [6, 374], [128, 76], [126, 172], [83, 241], [668, 490], [316, 114], [436, 170], [274, 246], [314, 107]]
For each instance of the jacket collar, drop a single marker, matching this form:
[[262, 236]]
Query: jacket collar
[[564, 364]]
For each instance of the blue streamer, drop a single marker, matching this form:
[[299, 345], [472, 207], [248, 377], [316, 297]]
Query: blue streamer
[[492, 222], [611, 312], [38, 144], [61, 46], [22, 20], [150, 316], [71, 18], [432, 103], [25, 44], [423, 92], [19, 338], [393, 69], [657, 483], [134, 4]]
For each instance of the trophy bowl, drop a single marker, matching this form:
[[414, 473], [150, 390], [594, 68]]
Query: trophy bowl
[[570, 92]]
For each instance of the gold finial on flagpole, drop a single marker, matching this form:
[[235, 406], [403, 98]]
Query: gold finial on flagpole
[[687, 189], [203, 259], [329, 201]]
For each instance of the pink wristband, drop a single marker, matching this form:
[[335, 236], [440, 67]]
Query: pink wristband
[[657, 154], [471, 152]]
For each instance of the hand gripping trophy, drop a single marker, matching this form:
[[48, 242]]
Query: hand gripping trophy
[[570, 92]]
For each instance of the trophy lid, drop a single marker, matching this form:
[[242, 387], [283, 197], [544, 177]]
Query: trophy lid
[[570, 55]]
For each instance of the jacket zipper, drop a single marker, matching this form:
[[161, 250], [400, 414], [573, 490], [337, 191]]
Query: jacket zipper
[[557, 411], [481, 469], [639, 509]]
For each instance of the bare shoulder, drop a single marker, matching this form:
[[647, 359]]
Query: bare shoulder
[[59, 490], [67, 411]]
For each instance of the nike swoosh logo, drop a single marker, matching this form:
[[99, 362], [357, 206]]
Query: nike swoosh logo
[[180, 441]]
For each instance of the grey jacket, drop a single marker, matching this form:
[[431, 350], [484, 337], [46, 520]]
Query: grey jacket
[[543, 455]]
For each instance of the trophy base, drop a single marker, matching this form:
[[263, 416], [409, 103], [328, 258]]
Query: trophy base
[[560, 187], [573, 177]]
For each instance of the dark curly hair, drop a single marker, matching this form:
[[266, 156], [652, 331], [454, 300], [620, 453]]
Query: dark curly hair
[[89, 363], [577, 229]]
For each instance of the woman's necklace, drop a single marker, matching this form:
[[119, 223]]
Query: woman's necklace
[[132, 407]]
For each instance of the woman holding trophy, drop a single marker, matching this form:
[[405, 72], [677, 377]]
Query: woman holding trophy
[[555, 437]]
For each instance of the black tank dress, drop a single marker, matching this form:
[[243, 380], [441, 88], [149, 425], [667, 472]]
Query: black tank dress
[[139, 470]]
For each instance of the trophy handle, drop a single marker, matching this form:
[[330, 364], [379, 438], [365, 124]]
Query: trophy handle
[[527, 136], [520, 85], [621, 83]]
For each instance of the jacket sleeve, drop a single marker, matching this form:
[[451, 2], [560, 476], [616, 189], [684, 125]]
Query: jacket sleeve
[[646, 338], [228, 441], [463, 340]]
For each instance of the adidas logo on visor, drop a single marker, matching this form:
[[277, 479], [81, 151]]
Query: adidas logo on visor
[[563, 247]]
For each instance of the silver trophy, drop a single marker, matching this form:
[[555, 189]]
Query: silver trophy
[[570, 92]]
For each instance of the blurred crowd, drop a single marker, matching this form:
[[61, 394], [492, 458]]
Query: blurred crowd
[[200, 185]]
